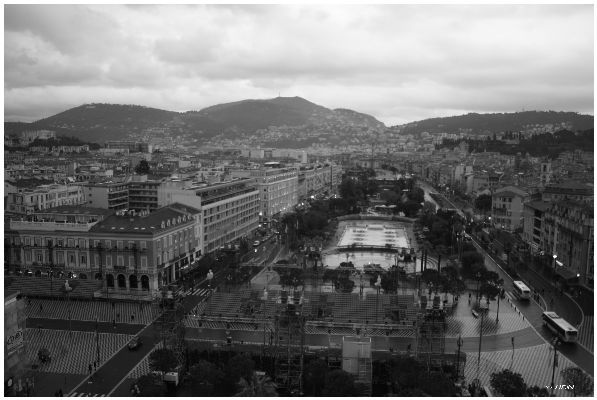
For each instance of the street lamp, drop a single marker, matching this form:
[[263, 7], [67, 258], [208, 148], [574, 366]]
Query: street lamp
[[497, 315], [478, 281], [555, 256], [555, 343], [459, 343]]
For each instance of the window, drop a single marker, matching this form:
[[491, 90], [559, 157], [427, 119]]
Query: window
[[60, 257], [83, 260], [27, 241], [119, 245], [27, 256], [109, 261], [71, 243], [170, 239], [144, 262], [96, 243], [143, 244], [131, 261], [39, 257], [158, 259], [120, 260], [71, 259], [96, 260], [108, 244], [37, 241], [82, 243]]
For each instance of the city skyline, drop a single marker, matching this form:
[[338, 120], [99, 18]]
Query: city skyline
[[435, 61]]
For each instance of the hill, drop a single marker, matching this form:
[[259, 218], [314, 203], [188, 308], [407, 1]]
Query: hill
[[502, 122], [103, 122]]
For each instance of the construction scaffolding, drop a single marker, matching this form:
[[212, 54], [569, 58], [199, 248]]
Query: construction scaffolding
[[431, 335], [290, 342], [170, 323]]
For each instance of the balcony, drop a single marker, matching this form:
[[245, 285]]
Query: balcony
[[51, 226]]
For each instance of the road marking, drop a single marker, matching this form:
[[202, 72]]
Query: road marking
[[129, 372]]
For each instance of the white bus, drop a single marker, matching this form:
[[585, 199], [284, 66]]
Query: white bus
[[558, 325], [521, 290]]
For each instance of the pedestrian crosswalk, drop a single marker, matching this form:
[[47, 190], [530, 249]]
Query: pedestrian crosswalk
[[535, 364], [71, 352], [78, 310], [586, 333], [201, 292], [82, 394]]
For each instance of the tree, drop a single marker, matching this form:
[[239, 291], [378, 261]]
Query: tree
[[490, 284], [536, 391], [238, 367], [437, 384], [315, 377], [142, 168], [205, 378], [483, 203], [580, 383], [258, 386], [151, 385], [508, 383], [163, 360], [339, 383]]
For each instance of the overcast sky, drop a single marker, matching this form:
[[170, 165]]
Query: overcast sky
[[399, 63]]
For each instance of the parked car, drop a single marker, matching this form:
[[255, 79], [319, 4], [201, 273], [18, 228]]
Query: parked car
[[256, 243], [135, 343]]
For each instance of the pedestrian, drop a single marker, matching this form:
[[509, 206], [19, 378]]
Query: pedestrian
[[41, 307], [132, 317], [60, 392], [95, 365], [90, 369], [117, 315], [114, 323]]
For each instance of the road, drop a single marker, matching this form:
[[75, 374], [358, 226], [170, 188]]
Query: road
[[111, 376], [532, 311]]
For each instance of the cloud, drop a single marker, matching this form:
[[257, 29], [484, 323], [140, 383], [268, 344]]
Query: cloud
[[396, 62]]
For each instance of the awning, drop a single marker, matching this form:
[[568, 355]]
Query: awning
[[565, 273]]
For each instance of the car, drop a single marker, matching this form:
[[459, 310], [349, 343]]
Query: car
[[256, 243], [135, 343]]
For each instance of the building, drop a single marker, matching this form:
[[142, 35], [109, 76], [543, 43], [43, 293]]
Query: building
[[109, 195], [129, 146], [568, 237], [507, 207], [229, 210], [316, 180], [15, 354], [131, 253], [43, 197], [532, 230], [568, 191], [278, 189], [143, 252]]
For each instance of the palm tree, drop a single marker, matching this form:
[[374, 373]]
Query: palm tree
[[261, 385]]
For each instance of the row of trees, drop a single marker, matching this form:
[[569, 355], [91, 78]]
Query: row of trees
[[512, 384]]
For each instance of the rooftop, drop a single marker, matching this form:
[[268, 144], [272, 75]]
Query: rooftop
[[161, 219], [82, 210]]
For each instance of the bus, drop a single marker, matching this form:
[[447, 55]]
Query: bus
[[521, 290], [558, 325]]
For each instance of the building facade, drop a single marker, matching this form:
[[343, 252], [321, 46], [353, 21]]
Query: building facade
[[129, 253], [568, 235], [507, 207], [43, 197], [15, 354], [278, 189]]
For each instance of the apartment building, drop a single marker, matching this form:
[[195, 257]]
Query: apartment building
[[109, 195], [532, 231], [317, 179], [568, 235], [507, 207], [28, 201], [278, 189], [229, 210], [568, 191], [129, 253]]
